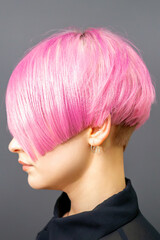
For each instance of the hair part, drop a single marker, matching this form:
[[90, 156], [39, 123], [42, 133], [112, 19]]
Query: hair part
[[72, 80]]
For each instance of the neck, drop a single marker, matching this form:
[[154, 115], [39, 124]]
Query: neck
[[103, 178]]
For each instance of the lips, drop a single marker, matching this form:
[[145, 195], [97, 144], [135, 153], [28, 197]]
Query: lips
[[24, 164]]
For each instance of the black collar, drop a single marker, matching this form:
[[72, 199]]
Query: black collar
[[105, 218]]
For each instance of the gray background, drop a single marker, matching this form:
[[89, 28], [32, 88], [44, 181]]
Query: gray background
[[24, 211]]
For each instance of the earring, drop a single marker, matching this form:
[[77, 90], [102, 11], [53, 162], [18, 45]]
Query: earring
[[95, 149]]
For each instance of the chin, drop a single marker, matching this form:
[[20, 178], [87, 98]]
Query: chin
[[36, 184]]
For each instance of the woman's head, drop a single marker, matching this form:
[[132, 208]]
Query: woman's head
[[73, 80]]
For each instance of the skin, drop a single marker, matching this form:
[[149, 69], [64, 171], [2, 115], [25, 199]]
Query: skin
[[88, 178]]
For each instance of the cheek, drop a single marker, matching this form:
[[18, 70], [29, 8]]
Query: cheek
[[58, 173], [60, 167]]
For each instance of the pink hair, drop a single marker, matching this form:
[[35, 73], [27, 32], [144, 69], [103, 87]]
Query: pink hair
[[70, 81]]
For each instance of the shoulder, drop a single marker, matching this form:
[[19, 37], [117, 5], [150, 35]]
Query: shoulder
[[137, 229]]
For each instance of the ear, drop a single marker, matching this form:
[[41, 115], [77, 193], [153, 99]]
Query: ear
[[97, 135]]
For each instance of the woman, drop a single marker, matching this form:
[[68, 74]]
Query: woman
[[72, 103]]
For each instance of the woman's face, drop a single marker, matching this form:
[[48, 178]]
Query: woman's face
[[58, 168]]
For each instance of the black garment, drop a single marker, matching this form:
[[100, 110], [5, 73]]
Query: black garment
[[116, 218]]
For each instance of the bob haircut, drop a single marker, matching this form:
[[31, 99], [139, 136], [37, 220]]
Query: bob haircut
[[73, 80]]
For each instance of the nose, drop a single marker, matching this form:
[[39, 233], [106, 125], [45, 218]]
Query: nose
[[14, 146]]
